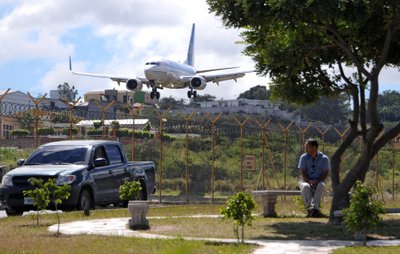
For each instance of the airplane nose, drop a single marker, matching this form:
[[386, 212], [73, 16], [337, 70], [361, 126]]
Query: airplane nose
[[149, 71]]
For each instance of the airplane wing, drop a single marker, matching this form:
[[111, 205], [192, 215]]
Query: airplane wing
[[112, 77], [115, 78], [217, 69], [216, 78]]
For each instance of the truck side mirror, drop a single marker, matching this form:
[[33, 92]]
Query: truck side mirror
[[100, 162], [20, 162]]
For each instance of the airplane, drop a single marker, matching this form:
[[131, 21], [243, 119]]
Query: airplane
[[164, 73]]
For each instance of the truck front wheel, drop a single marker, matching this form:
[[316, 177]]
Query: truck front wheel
[[85, 201]]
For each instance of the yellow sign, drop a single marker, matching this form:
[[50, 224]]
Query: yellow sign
[[250, 162]]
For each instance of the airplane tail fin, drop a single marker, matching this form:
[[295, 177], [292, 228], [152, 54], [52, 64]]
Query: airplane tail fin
[[190, 54]]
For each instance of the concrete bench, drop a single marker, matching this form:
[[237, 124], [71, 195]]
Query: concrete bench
[[268, 198]]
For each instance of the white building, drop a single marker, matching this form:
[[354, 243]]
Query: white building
[[244, 106], [12, 103]]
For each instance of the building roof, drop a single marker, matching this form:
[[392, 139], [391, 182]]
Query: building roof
[[89, 123], [79, 142], [10, 92]]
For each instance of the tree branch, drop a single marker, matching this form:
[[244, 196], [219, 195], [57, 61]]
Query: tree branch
[[386, 137], [385, 50], [343, 44]]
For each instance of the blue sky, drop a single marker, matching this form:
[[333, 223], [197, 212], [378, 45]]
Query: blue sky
[[112, 37], [116, 37]]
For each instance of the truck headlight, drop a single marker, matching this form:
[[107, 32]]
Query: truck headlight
[[68, 179], [7, 180]]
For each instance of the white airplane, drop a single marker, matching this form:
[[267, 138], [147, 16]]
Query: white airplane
[[164, 73]]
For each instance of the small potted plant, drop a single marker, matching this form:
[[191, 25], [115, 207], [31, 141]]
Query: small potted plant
[[130, 191]]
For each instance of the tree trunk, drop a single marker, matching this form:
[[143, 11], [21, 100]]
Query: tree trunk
[[341, 198]]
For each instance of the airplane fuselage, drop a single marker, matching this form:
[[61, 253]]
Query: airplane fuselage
[[169, 74]]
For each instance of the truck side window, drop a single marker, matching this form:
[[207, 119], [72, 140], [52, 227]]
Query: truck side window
[[99, 153], [114, 154]]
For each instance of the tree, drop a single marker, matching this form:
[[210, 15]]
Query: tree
[[256, 93], [325, 48], [39, 196], [204, 98], [363, 212], [26, 119], [389, 106], [238, 208], [45, 193], [167, 102], [327, 110], [57, 193], [67, 92]]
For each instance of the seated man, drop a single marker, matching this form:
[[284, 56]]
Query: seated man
[[314, 167]]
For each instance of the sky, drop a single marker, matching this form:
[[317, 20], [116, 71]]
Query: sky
[[117, 37], [112, 37]]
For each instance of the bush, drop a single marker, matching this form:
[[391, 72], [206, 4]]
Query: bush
[[167, 137], [123, 133], [45, 131], [94, 132], [130, 190], [65, 131], [19, 133]]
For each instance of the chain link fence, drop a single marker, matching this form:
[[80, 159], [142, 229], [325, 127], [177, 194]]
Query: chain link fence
[[202, 155]]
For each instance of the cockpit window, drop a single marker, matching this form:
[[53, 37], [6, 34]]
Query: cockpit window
[[153, 63]]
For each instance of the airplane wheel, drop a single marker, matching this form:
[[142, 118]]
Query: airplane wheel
[[194, 94], [152, 95], [158, 95], [189, 94]]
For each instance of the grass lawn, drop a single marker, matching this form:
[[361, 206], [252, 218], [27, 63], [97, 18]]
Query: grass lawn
[[368, 250], [20, 235]]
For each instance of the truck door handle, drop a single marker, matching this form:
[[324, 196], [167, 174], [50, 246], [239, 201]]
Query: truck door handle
[[110, 172]]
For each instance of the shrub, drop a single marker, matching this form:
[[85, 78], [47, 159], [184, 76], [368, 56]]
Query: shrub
[[238, 208], [123, 133], [45, 131], [20, 133], [94, 132], [115, 125], [65, 131], [363, 212], [97, 124]]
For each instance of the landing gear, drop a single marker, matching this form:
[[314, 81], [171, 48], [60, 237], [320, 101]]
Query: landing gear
[[155, 94], [190, 93]]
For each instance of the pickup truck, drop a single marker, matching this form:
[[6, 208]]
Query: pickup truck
[[93, 168]]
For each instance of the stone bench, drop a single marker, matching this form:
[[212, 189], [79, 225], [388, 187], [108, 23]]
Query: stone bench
[[269, 199]]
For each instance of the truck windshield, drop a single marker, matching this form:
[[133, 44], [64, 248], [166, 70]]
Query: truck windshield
[[58, 155]]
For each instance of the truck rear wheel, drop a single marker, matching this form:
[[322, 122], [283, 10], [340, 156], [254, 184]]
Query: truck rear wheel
[[14, 212], [143, 192], [85, 201]]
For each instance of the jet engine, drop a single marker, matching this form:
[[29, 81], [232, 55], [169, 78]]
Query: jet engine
[[134, 84], [198, 83]]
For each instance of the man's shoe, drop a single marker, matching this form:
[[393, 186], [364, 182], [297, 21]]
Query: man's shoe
[[310, 211], [317, 214]]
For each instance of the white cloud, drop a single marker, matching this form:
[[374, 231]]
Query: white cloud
[[134, 32]]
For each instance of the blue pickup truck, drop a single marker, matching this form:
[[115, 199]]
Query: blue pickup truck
[[94, 168]]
